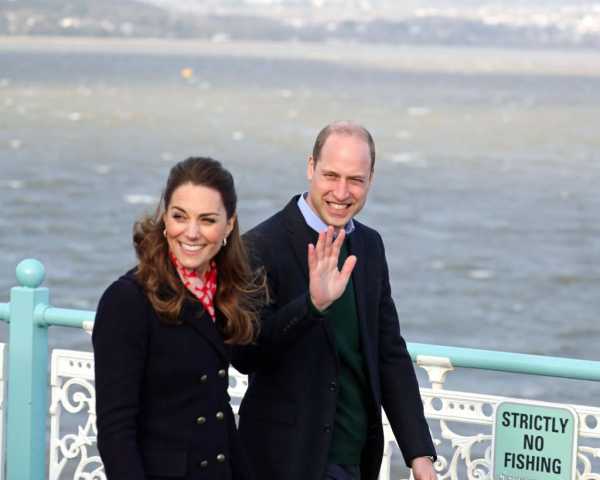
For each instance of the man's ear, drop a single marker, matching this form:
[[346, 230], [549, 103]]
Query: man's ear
[[310, 168]]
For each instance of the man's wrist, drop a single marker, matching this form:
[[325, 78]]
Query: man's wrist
[[428, 457], [316, 308]]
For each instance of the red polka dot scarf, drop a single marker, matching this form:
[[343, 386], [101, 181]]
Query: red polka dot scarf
[[204, 289]]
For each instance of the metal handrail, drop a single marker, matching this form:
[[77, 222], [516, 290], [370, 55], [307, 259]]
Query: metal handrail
[[463, 357], [511, 362], [4, 311]]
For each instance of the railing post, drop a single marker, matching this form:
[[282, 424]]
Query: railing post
[[27, 376]]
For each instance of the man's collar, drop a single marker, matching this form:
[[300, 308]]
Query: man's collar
[[314, 221]]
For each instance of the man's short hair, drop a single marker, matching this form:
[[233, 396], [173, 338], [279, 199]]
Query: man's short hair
[[343, 128]]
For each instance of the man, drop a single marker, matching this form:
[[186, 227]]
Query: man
[[330, 353]]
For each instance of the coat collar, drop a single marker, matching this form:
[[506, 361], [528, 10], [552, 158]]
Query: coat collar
[[299, 232], [194, 314], [356, 246], [198, 318]]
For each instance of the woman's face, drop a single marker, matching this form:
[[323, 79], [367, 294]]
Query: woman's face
[[195, 225]]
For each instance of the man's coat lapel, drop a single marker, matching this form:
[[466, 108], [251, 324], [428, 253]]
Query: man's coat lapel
[[361, 277]]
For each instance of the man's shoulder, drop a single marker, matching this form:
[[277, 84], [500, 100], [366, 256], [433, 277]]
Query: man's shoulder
[[269, 239], [268, 228], [370, 234], [276, 225]]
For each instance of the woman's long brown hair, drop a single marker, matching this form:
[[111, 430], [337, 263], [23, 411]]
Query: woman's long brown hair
[[239, 291]]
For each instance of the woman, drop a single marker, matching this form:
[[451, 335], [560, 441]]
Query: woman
[[163, 333]]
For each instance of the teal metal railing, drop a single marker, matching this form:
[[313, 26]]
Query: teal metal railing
[[29, 315], [511, 362]]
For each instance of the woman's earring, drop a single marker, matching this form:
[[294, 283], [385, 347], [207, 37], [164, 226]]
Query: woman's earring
[[165, 233], [225, 241]]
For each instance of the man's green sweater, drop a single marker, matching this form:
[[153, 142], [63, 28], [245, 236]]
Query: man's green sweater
[[351, 418]]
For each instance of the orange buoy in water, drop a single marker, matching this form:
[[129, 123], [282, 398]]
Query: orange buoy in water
[[186, 73]]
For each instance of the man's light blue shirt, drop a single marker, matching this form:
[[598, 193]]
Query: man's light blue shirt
[[314, 221]]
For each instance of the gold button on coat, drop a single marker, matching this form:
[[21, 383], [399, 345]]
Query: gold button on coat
[[220, 415], [220, 458], [204, 463], [204, 378], [222, 373], [201, 420]]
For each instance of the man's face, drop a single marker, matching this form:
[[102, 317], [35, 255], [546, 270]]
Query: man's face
[[340, 180]]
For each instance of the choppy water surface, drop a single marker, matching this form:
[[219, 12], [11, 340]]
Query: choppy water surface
[[486, 184]]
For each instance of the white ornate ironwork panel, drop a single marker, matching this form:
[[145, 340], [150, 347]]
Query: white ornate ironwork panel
[[73, 452], [461, 423]]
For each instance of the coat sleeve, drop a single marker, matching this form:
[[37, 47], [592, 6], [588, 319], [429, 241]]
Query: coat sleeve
[[400, 396], [281, 324], [120, 343]]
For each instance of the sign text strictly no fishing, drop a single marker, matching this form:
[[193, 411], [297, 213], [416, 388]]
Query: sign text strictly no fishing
[[534, 442]]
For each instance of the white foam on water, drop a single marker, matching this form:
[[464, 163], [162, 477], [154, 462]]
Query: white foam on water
[[238, 136], [4, 82], [78, 303], [140, 199], [438, 264], [167, 157], [14, 184], [102, 169], [15, 143], [220, 37], [412, 159], [74, 116], [481, 274], [418, 111], [564, 194]]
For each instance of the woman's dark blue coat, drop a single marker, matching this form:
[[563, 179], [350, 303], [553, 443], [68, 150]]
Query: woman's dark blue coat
[[161, 392]]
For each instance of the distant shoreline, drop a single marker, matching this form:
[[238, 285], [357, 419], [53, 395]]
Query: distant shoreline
[[402, 58]]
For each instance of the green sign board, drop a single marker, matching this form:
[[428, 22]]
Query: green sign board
[[534, 441]]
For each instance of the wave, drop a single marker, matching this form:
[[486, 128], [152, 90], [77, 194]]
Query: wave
[[140, 199]]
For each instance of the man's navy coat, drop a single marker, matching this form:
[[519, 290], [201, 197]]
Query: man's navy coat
[[287, 414], [162, 404]]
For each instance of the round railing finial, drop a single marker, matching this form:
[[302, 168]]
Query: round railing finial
[[30, 273]]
